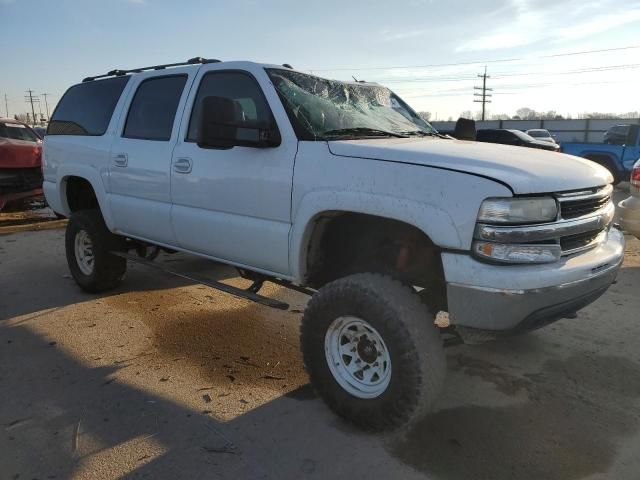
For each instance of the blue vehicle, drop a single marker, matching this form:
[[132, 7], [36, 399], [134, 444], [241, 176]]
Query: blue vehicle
[[618, 153]]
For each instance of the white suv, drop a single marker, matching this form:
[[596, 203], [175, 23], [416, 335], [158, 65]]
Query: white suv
[[339, 190]]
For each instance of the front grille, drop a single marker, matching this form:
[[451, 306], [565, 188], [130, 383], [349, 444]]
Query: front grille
[[578, 241], [583, 203]]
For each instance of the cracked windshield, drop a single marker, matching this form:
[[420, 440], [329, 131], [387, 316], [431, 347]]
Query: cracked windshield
[[324, 108]]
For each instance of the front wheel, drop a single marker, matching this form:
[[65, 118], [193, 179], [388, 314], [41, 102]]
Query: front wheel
[[88, 244], [372, 351]]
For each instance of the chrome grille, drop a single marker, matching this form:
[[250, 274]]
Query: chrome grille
[[573, 243], [579, 204]]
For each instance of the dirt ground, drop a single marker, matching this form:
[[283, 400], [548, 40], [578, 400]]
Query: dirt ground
[[166, 379]]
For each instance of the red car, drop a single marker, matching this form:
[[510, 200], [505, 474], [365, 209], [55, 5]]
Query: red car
[[20, 161]]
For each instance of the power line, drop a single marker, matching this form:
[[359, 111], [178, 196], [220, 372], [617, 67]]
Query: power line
[[485, 96], [451, 78], [475, 62]]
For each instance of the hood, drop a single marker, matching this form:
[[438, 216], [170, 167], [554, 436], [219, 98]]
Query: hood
[[19, 153], [525, 170]]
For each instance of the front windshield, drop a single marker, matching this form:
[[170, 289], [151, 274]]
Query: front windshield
[[539, 134], [523, 136], [322, 109]]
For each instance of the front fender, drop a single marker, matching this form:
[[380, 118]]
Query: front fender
[[433, 221]]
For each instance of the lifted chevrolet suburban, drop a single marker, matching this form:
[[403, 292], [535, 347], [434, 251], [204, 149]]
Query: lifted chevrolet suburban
[[339, 190]]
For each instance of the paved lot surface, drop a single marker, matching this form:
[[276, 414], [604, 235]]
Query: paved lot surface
[[165, 379]]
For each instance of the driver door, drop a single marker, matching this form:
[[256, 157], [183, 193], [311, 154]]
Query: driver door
[[233, 204]]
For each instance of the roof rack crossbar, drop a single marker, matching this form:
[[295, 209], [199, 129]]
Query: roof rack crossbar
[[117, 72]]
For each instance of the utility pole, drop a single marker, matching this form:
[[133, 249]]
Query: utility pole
[[484, 95], [6, 105], [46, 104], [29, 98]]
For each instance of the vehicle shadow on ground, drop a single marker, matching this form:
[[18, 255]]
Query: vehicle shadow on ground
[[53, 287], [562, 425], [73, 412], [557, 421]]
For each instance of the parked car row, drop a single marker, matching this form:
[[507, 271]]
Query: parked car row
[[20, 161]]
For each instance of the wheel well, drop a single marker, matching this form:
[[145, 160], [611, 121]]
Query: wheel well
[[80, 194], [344, 243]]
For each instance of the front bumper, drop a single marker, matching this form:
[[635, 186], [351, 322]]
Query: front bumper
[[630, 215], [511, 298]]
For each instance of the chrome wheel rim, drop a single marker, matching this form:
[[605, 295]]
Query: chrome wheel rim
[[358, 357], [84, 252]]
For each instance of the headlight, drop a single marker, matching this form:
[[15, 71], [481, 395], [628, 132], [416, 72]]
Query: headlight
[[518, 210], [514, 253]]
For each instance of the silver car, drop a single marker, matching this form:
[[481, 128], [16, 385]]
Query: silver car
[[542, 135], [630, 208]]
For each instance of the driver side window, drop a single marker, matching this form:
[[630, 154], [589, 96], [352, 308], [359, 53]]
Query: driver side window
[[251, 108]]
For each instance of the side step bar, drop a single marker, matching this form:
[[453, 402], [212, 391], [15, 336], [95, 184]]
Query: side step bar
[[248, 293]]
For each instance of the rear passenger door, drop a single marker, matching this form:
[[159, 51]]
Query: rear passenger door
[[140, 159]]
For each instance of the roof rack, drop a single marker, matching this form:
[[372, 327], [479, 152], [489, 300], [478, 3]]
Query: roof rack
[[119, 73]]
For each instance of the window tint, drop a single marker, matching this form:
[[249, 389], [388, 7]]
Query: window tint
[[153, 108], [486, 136], [86, 108], [506, 136], [250, 105], [17, 131]]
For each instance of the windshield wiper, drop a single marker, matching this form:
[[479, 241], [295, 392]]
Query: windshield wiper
[[366, 131], [422, 133]]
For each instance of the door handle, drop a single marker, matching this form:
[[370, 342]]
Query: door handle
[[121, 160], [182, 165]]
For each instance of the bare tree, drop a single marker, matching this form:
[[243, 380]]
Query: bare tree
[[22, 117], [425, 115]]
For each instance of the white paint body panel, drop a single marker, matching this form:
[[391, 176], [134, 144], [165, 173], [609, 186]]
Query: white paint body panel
[[525, 170], [140, 192], [236, 203]]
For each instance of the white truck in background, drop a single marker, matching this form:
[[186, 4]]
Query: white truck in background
[[339, 190]]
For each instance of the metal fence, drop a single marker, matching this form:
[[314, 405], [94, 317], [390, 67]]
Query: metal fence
[[590, 130]]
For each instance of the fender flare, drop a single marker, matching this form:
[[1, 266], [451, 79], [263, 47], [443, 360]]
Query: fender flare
[[434, 222]]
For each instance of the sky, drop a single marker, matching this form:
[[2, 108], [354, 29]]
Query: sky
[[429, 52]]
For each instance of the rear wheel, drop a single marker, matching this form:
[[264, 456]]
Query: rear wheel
[[372, 351], [88, 242]]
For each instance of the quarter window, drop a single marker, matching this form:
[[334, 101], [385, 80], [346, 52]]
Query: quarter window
[[251, 107], [153, 109], [86, 108]]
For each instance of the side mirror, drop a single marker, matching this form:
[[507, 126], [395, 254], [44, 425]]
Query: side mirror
[[222, 126]]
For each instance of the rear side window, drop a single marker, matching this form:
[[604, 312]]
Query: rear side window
[[86, 108], [251, 106], [153, 109], [486, 136]]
